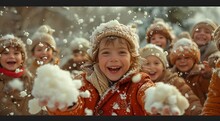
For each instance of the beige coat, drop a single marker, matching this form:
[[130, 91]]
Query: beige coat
[[10, 101]]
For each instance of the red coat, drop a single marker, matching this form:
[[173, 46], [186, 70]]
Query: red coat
[[212, 104], [123, 98]]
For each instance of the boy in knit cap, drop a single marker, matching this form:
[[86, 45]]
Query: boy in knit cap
[[212, 104], [15, 80], [79, 47], [43, 48], [185, 56], [202, 35], [114, 81], [155, 64]]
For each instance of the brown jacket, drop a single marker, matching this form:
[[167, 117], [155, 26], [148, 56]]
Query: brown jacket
[[123, 98], [10, 101], [195, 107], [212, 104], [198, 82]]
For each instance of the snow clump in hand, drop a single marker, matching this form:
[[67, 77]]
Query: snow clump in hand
[[54, 85], [165, 95]]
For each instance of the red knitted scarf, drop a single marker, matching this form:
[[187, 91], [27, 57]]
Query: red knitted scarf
[[11, 73]]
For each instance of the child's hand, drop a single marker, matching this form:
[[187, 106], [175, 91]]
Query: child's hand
[[165, 99], [62, 106], [206, 70], [165, 110]]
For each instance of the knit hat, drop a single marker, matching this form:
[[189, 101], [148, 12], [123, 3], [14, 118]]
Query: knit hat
[[208, 23], [160, 27], [43, 34], [184, 47], [152, 49], [113, 28], [11, 40], [80, 43], [216, 36]]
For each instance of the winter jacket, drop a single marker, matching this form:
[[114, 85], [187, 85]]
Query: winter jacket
[[208, 50], [11, 103], [198, 82], [123, 98], [212, 104], [195, 107]]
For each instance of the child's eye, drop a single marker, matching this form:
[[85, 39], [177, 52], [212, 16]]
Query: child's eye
[[122, 52], [39, 49], [152, 38], [105, 52], [178, 59], [207, 32], [156, 63], [161, 37], [187, 58], [16, 53], [146, 64]]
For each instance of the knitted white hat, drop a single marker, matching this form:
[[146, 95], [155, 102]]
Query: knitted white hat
[[113, 28], [152, 49]]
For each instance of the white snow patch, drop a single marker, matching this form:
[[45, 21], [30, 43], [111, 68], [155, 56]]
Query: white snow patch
[[136, 78]]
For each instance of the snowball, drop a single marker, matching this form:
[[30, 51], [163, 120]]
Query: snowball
[[136, 78], [56, 86], [88, 112], [23, 93], [16, 84], [85, 94], [165, 96], [33, 106], [18, 70]]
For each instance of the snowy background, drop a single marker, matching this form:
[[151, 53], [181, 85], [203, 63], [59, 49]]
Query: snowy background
[[80, 21]]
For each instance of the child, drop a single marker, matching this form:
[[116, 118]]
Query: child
[[160, 34], [43, 48], [114, 82], [185, 56], [79, 47], [15, 80], [202, 35], [211, 106], [155, 64]]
